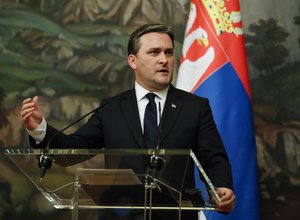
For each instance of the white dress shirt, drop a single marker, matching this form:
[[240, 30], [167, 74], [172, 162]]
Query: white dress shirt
[[142, 102]]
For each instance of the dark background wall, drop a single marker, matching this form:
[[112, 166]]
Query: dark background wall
[[73, 54]]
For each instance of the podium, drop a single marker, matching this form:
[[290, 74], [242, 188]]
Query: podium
[[145, 182]]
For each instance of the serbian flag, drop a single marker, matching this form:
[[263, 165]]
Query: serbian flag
[[213, 65]]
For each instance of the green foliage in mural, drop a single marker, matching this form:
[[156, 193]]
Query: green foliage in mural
[[265, 47], [281, 91]]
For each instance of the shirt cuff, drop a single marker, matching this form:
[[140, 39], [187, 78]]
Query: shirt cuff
[[40, 132]]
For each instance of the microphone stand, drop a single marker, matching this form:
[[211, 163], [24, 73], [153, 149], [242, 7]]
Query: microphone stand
[[45, 160], [155, 164]]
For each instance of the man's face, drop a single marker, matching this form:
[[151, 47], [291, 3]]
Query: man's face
[[153, 64]]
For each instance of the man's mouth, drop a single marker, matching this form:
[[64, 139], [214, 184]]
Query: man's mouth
[[163, 70]]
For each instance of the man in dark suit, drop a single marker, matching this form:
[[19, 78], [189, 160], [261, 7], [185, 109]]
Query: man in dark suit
[[186, 120]]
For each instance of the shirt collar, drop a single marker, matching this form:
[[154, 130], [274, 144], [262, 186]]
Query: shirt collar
[[141, 92]]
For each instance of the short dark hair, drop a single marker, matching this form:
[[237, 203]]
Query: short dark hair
[[134, 40]]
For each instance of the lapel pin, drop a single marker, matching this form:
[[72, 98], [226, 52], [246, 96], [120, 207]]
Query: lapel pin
[[173, 105]]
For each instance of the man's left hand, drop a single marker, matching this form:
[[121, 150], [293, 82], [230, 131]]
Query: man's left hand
[[227, 199]]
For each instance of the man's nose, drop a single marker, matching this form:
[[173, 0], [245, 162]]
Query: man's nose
[[163, 58]]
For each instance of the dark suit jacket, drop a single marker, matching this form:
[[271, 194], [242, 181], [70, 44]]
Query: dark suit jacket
[[187, 123]]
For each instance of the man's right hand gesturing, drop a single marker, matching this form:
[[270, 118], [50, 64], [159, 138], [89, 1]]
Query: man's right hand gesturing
[[30, 113]]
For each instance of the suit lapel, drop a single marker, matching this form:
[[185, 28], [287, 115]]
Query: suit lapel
[[130, 110], [171, 111]]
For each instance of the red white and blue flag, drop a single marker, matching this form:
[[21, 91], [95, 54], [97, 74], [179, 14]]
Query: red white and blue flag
[[213, 65]]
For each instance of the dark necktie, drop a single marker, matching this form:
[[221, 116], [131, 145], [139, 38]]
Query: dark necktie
[[150, 122]]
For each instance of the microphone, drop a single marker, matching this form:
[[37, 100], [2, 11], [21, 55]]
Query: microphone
[[45, 160]]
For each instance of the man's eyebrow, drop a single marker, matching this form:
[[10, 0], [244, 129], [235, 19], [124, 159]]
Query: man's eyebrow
[[159, 48]]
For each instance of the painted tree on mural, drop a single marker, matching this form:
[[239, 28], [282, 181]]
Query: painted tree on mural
[[297, 22], [265, 46]]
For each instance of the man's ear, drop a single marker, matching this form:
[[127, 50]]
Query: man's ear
[[131, 59]]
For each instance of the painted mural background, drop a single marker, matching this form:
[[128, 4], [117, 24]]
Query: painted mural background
[[74, 53]]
